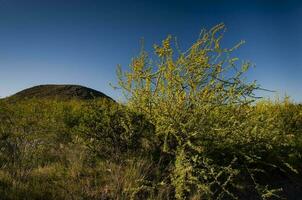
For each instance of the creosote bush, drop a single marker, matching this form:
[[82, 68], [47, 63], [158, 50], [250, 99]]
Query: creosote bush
[[111, 130], [191, 128], [204, 116]]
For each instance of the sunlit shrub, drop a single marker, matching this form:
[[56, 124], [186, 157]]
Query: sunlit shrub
[[222, 144]]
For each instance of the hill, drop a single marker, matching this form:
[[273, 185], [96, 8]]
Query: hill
[[64, 92]]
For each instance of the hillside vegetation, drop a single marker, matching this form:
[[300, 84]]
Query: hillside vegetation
[[62, 92], [192, 128]]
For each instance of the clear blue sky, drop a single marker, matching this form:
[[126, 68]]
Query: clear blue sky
[[82, 41]]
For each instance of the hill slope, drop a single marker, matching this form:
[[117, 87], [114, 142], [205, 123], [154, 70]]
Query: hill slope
[[65, 92]]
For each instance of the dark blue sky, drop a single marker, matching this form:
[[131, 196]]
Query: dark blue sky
[[82, 41]]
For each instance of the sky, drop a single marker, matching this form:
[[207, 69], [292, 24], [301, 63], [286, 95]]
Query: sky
[[82, 41]]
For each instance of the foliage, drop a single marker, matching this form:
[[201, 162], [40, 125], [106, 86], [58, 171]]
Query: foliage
[[111, 130], [203, 112], [191, 129]]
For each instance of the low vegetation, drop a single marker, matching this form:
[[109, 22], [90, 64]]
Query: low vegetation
[[192, 128]]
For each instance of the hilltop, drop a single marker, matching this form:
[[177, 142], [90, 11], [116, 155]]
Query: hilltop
[[65, 92]]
